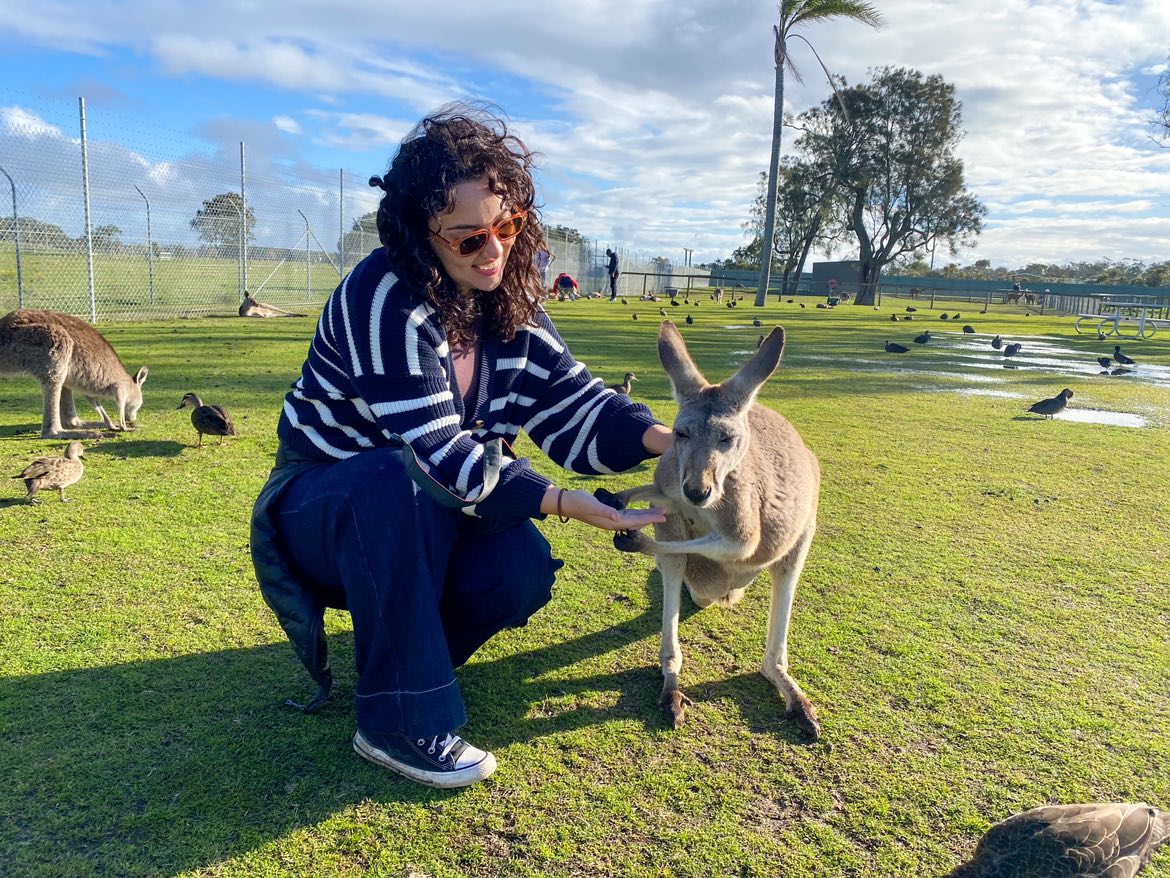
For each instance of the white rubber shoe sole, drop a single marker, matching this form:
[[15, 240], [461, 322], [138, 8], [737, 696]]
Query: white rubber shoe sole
[[462, 777]]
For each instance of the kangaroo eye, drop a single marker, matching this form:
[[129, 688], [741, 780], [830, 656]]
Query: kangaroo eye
[[724, 440], [681, 434]]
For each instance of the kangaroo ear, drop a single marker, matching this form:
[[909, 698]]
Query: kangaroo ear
[[685, 378], [744, 384], [140, 378]]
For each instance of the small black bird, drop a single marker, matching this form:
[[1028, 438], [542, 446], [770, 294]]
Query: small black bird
[[943, 316], [969, 329], [756, 322], [1090, 840], [624, 302], [1012, 349], [908, 317], [759, 341], [790, 301], [892, 348], [674, 304], [894, 318], [1053, 406], [1105, 362], [802, 304], [634, 316], [661, 312], [1101, 336], [956, 316], [690, 320], [910, 310], [924, 338], [1120, 357], [997, 342], [731, 304]]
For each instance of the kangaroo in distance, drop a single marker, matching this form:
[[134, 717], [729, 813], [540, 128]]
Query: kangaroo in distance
[[251, 307], [65, 354], [740, 489]]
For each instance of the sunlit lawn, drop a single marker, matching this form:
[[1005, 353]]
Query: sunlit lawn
[[982, 625]]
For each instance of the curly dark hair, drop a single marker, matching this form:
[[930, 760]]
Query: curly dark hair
[[456, 143]]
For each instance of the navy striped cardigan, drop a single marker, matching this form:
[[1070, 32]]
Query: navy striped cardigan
[[380, 366]]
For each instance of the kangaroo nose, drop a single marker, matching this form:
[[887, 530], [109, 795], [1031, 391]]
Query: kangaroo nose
[[697, 497]]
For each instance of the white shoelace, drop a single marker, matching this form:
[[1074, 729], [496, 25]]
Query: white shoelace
[[448, 744]]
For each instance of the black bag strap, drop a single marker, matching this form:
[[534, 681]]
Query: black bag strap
[[493, 459]]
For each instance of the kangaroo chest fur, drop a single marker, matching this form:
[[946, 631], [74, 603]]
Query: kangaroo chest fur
[[769, 500]]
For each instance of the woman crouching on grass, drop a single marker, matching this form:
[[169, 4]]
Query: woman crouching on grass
[[394, 494]]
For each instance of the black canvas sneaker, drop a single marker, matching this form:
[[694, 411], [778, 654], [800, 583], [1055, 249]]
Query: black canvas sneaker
[[444, 762]]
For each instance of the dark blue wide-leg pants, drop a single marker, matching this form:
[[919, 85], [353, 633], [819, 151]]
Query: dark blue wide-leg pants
[[426, 585]]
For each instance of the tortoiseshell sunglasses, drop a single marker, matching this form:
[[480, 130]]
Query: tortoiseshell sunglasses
[[471, 243]]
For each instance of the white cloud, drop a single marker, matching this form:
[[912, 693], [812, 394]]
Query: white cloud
[[655, 117], [287, 124]]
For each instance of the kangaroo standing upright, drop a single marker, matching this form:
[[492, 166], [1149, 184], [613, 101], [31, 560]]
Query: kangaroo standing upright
[[66, 354], [740, 489]]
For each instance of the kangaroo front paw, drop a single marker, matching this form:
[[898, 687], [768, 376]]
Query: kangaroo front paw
[[675, 702], [609, 498], [628, 540]]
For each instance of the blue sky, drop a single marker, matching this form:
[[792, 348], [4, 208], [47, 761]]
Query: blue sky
[[653, 118]]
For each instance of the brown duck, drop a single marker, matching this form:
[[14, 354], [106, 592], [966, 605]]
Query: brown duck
[[1102, 840], [54, 472], [624, 387], [210, 419]]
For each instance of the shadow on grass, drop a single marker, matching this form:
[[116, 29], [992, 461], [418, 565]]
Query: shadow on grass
[[158, 767], [127, 448]]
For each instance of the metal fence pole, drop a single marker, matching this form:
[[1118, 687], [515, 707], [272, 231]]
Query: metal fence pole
[[149, 245], [88, 221], [16, 235], [308, 285], [243, 217], [340, 223]]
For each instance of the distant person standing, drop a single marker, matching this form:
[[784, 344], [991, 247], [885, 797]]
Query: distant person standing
[[611, 268], [543, 259]]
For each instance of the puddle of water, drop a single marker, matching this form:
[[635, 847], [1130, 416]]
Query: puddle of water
[[1100, 416], [984, 391], [949, 352]]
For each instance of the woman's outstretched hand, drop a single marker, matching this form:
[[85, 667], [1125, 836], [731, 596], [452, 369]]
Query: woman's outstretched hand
[[583, 506]]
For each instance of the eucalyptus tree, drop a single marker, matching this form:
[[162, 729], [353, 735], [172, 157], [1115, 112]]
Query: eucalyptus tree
[[893, 142], [795, 14], [1162, 122], [808, 213]]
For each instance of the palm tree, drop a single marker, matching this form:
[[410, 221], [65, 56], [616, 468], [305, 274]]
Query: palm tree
[[793, 14]]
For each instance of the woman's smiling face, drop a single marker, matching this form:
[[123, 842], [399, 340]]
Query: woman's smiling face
[[475, 207]]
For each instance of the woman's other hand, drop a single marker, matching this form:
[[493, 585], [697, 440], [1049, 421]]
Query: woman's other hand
[[583, 506]]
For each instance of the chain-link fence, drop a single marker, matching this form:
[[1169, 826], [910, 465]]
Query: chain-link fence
[[171, 227]]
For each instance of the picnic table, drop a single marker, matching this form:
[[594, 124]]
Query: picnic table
[[1113, 314]]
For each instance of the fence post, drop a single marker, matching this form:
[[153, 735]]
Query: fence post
[[243, 219], [149, 245], [16, 235], [88, 222], [340, 223], [308, 286]]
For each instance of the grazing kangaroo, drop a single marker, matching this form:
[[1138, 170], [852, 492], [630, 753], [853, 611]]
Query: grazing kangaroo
[[66, 354], [740, 489], [251, 307]]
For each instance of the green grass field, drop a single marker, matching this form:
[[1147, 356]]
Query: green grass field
[[982, 625], [187, 286]]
